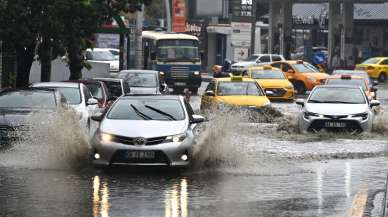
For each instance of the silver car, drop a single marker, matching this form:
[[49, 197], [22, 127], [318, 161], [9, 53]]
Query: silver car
[[336, 108], [146, 130]]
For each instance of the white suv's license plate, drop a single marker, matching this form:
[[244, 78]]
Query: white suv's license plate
[[335, 124], [180, 84], [141, 155]]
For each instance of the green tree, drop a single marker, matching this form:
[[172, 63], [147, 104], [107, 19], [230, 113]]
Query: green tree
[[55, 24]]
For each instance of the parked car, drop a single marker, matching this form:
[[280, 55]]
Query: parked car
[[79, 98], [144, 82], [377, 68], [103, 55], [300, 51], [116, 86], [99, 91], [115, 52], [328, 108], [17, 104], [146, 130], [302, 74], [254, 60]]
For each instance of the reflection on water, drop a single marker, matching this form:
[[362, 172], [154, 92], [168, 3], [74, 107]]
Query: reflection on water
[[100, 198], [176, 200]]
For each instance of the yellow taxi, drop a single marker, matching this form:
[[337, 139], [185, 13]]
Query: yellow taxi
[[273, 81], [234, 91], [353, 80], [376, 67], [303, 75]]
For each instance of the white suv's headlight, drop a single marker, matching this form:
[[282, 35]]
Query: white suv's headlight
[[307, 115], [364, 116], [176, 138]]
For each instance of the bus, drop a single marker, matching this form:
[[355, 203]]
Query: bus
[[176, 56]]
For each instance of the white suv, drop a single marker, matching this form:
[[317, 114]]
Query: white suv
[[254, 60]]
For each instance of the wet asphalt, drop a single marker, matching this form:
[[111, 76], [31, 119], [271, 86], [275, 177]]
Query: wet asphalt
[[245, 169]]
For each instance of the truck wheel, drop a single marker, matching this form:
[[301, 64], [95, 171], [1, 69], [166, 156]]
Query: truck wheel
[[300, 88], [382, 77], [194, 90]]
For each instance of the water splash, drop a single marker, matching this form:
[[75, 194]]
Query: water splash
[[49, 141]]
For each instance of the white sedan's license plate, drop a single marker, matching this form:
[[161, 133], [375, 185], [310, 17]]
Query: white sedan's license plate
[[180, 84], [335, 124], [141, 155]]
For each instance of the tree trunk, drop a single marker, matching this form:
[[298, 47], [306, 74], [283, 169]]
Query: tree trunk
[[45, 60], [24, 58], [75, 60]]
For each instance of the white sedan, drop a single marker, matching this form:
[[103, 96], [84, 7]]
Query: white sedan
[[337, 108], [79, 98]]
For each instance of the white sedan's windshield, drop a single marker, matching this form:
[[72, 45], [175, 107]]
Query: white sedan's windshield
[[336, 95], [147, 109]]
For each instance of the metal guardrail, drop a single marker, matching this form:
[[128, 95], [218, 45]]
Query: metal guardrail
[[385, 200]]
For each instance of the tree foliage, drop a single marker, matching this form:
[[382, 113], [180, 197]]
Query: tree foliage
[[58, 25]]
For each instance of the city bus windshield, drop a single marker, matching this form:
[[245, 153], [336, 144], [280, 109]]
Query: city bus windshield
[[173, 49]]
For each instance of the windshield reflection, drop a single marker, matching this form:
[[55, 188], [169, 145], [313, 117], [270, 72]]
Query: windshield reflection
[[176, 199]]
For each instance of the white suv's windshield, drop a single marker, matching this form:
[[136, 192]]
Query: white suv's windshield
[[252, 58], [147, 109], [336, 95]]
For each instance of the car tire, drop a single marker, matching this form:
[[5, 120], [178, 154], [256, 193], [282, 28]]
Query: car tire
[[382, 77], [300, 87]]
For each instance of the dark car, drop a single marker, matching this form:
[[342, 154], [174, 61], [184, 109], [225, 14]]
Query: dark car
[[17, 104], [116, 86], [144, 82], [99, 91]]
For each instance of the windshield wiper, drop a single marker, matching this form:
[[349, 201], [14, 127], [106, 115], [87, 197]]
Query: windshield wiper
[[139, 113], [316, 101], [341, 102], [160, 112]]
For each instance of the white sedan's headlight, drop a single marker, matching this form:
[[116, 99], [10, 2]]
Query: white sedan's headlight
[[105, 137], [176, 138]]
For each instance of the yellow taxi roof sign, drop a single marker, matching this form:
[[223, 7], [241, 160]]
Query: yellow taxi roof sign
[[236, 78]]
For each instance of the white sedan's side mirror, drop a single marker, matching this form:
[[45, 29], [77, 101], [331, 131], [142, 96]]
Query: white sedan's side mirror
[[300, 102], [92, 101], [374, 103]]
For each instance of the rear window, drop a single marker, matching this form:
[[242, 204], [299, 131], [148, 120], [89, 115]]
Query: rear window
[[352, 82], [72, 94], [96, 90], [27, 99], [114, 88]]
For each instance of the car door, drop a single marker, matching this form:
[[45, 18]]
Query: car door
[[206, 100], [88, 95]]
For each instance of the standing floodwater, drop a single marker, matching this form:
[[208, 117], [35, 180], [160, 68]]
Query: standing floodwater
[[242, 168]]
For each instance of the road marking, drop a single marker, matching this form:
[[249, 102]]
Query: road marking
[[358, 204]]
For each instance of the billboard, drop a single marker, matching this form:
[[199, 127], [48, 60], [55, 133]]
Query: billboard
[[208, 8], [178, 16]]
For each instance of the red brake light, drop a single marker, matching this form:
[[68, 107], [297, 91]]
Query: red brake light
[[370, 68]]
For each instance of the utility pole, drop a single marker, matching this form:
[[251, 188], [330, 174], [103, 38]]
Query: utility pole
[[139, 43], [168, 14]]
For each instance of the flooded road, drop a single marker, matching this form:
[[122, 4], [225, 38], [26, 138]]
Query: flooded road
[[247, 169]]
